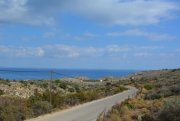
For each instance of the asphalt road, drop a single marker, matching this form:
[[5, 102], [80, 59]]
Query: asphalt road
[[88, 111]]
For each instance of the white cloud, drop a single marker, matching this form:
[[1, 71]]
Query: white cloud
[[167, 55], [150, 47], [74, 37], [120, 12], [74, 51], [144, 34], [115, 12], [49, 35], [21, 51], [25, 52], [177, 50], [68, 51], [143, 54], [16, 11], [3, 49], [84, 36], [89, 34], [117, 48], [61, 51]]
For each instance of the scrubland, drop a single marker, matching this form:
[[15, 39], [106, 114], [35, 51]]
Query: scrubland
[[158, 98], [20, 100]]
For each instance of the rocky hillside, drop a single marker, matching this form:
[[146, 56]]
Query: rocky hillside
[[20, 100], [25, 89], [18, 89]]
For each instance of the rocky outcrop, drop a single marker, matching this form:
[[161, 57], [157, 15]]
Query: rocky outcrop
[[19, 89]]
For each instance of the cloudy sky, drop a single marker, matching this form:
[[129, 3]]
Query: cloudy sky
[[90, 34]]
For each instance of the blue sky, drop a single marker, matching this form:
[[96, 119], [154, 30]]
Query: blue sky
[[90, 34]]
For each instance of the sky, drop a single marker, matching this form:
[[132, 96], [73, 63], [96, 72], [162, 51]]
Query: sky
[[90, 34]]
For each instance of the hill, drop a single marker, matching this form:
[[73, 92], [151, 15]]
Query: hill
[[20, 100], [158, 98]]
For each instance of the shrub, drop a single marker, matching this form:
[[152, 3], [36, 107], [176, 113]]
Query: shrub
[[44, 85], [41, 107], [114, 116], [37, 96], [129, 105], [152, 95], [31, 82], [24, 83], [77, 88], [147, 118], [175, 89], [1, 92], [170, 112], [119, 89], [101, 117], [148, 86], [11, 113], [63, 85], [165, 91], [71, 89], [57, 81], [72, 99], [14, 109], [58, 100], [5, 82]]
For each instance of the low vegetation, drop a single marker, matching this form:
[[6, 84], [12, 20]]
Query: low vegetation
[[32, 98], [158, 99]]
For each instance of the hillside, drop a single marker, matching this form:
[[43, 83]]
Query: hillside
[[20, 100], [158, 98]]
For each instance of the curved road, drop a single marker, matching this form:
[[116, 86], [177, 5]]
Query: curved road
[[88, 111]]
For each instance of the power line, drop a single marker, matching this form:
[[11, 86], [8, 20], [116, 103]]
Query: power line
[[51, 73]]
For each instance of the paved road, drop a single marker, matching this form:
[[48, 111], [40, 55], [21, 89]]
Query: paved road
[[88, 111]]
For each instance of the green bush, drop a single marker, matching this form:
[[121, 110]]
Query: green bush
[[25, 83], [57, 99], [171, 111], [14, 109], [11, 113], [71, 89], [45, 85], [63, 85], [119, 89], [130, 106], [57, 81], [41, 107], [153, 95], [147, 118], [163, 91], [1, 92], [72, 99], [148, 86], [175, 89]]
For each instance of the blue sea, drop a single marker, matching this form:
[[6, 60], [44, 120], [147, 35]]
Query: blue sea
[[43, 74]]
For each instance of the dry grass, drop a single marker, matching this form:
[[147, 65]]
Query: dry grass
[[132, 110]]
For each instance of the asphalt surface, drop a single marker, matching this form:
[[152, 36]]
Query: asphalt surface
[[88, 111]]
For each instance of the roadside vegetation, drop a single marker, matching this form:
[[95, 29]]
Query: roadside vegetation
[[158, 98], [20, 100]]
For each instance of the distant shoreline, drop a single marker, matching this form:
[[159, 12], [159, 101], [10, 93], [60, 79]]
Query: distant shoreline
[[44, 74]]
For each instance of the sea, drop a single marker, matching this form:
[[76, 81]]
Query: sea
[[44, 74]]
